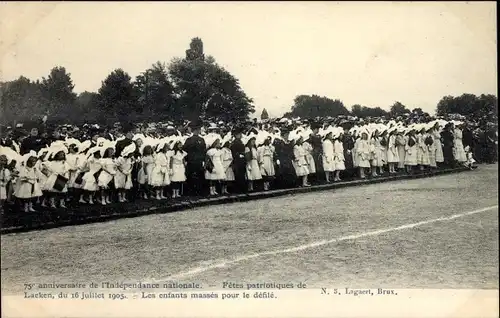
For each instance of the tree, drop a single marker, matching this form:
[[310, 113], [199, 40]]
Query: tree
[[155, 92], [117, 95], [357, 110], [205, 89], [417, 111], [264, 115], [469, 105], [21, 100], [364, 111], [195, 51], [87, 107], [57, 90], [311, 106], [398, 109]]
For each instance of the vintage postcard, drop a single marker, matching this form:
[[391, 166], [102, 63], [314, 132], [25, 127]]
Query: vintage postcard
[[249, 159]]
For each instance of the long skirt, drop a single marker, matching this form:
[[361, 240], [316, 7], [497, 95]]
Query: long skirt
[[411, 158], [423, 156], [432, 156], [439, 150], [401, 155], [459, 152]]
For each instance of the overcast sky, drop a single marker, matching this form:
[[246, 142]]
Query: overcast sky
[[361, 53]]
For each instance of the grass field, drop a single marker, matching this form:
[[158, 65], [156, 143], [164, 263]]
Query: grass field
[[403, 234]]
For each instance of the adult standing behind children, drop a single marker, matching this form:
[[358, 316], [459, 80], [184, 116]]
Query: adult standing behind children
[[196, 151]]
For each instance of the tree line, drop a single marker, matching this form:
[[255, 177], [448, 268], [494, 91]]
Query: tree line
[[187, 88], [483, 107]]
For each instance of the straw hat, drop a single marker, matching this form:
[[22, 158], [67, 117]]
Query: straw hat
[[128, 150], [10, 153]]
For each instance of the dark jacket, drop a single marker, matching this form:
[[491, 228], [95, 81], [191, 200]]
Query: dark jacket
[[32, 143], [121, 144], [196, 150]]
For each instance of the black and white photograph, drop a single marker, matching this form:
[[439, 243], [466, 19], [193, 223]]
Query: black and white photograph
[[241, 159]]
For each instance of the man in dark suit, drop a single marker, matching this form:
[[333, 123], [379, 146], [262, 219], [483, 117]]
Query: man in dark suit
[[121, 144], [195, 169], [239, 162], [33, 142], [317, 153], [285, 172]]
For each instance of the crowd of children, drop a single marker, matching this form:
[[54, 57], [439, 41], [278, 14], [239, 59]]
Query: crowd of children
[[88, 172]]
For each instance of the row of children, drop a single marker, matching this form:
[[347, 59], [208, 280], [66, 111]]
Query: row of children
[[91, 173]]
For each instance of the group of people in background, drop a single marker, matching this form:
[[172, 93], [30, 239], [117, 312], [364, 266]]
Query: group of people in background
[[90, 166]]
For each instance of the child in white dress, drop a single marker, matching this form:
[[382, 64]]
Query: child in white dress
[[27, 186], [177, 168], [73, 162], [252, 166], [5, 176], [107, 174], [363, 151], [328, 156], [265, 156], [422, 150], [123, 176], [216, 174], [392, 152], [145, 168], [311, 165], [43, 173], [431, 147], [227, 162], [338, 156], [57, 167], [300, 161], [470, 163], [411, 151], [160, 175], [401, 144], [91, 171]]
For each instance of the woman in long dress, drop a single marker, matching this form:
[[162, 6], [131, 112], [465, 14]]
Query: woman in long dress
[[438, 145], [355, 140], [401, 146], [411, 151], [422, 150], [252, 167], [458, 145], [431, 147], [447, 139]]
